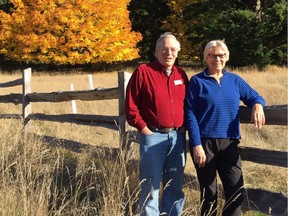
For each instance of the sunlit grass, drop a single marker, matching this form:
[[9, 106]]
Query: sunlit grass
[[43, 178]]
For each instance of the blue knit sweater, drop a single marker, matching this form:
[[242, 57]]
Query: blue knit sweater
[[212, 108]]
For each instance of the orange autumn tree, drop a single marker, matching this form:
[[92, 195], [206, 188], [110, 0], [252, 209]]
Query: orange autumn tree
[[68, 32]]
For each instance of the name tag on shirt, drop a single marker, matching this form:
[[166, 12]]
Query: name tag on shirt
[[178, 82]]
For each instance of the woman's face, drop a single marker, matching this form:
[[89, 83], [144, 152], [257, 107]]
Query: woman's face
[[216, 59]]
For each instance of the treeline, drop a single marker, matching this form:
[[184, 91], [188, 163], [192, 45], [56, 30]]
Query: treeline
[[84, 32], [254, 30]]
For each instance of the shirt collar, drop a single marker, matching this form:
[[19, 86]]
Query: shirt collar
[[161, 68], [207, 74]]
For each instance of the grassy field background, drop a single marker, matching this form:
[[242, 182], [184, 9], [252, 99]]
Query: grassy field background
[[42, 179]]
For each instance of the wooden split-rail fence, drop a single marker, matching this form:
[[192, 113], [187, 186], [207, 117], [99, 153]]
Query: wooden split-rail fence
[[267, 202]]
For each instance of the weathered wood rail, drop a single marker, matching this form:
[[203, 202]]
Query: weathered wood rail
[[96, 94], [264, 201]]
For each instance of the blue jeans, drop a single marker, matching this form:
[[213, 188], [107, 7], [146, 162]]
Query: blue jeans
[[162, 157]]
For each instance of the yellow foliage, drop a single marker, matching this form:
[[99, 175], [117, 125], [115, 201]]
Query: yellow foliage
[[176, 23], [62, 31]]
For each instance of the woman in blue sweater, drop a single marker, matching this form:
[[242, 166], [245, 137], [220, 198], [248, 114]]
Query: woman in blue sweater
[[212, 120]]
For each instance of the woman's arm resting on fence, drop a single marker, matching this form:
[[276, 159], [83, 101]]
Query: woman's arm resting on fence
[[258, 116]]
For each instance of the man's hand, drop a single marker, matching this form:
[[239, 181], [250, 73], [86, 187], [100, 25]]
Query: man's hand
[[146, 131], [258, 116], [199, 156]]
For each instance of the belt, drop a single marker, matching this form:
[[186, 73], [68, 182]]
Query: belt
[[163, 130]]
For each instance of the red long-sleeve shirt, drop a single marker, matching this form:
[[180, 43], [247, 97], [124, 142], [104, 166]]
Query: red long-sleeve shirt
[[155, 100]]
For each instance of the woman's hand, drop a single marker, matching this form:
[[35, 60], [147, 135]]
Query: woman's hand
[[258, 116], [199, 156]]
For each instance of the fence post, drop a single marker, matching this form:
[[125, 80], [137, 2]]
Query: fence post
[[123, 79], [90, 81], [26, 89], [73, 102]]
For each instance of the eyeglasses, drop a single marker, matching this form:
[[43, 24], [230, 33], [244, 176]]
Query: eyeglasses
[[214, 57], [172, 50]]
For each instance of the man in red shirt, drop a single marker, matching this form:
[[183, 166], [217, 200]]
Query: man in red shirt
[[155, 106]]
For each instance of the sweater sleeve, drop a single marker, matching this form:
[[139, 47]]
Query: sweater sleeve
[[248, 95], [190, 114]]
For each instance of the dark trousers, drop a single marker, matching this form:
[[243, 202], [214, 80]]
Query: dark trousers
[[222, 157]]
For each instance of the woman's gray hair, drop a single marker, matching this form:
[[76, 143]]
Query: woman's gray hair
[[216, 43], [167, 35]]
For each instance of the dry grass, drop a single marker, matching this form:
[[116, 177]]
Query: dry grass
[[41, 179]]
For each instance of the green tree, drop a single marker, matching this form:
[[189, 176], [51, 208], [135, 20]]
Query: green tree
[[5, 5], [253, 37], [147, 17], [68, 32], [174, 23], [274, 25], [254, 30]]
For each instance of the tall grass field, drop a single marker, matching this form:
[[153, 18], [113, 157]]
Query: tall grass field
[[41, 176]]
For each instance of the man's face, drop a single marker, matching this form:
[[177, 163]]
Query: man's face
[[167, 52]]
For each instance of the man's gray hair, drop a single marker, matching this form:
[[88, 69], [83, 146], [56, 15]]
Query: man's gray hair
[[167, 35]]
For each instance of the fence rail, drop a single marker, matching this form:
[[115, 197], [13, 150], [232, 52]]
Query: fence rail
[[96, 94], [264, 201]]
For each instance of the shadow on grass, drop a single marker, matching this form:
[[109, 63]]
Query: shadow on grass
[[89, 179]]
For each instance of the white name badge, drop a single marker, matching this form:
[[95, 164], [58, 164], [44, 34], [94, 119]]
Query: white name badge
[[178, 82]]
